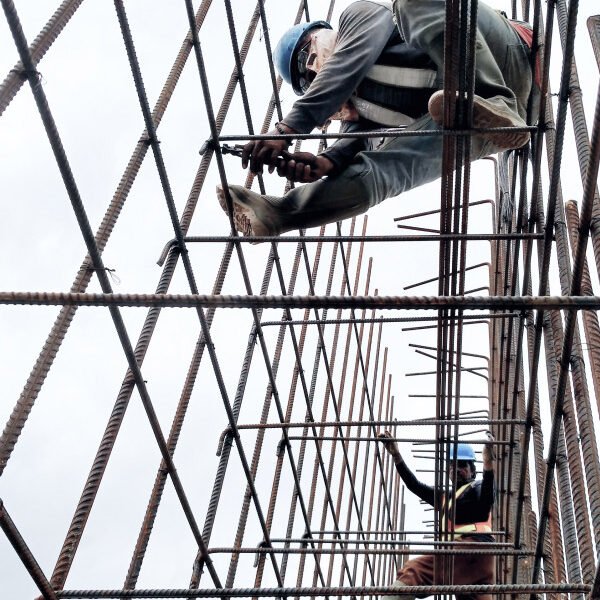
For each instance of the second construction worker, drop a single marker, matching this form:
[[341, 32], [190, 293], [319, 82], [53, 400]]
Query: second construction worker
[[472, 522]]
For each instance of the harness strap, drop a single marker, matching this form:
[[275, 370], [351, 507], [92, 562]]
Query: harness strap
[[380, 114]]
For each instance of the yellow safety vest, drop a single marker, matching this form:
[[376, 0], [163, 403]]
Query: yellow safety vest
[[479, 527]]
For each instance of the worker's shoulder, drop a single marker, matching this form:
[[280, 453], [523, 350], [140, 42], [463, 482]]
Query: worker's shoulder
[[364, 7]]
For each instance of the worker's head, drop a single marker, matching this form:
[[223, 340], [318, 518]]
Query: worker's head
[[301, 52], [465, 463]]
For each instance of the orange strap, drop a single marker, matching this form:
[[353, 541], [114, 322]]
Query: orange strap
[[480, 527]]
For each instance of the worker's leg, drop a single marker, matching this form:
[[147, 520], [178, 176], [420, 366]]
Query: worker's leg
[[474, 569], [502, 72], [418, 571], [398, 165]]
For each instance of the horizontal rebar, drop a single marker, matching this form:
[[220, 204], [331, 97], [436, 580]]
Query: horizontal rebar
[[331, 438], [312, 302], [466, 318], [409, 423], [403, 542], [294, 239], [265, 592], [387, 133], [373, 551]]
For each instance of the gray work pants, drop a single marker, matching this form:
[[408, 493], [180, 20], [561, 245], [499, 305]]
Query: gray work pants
[[502, 74]]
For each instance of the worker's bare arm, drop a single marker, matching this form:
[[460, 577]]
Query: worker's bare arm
[[489, 454], [390, 445]]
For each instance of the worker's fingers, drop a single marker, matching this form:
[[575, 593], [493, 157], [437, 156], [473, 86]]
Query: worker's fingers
[[260, 156], [308, 158], [247, 153], [273, 159]]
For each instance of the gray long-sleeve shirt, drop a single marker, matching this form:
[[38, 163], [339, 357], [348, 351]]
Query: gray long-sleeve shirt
[[366, 35]]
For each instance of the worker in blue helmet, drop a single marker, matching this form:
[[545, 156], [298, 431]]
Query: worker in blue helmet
[[465, 517], [371, 74]]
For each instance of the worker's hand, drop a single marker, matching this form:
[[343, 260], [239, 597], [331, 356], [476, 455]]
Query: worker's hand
[[304, 167], [489, 454], [386, 438], [259, 153]]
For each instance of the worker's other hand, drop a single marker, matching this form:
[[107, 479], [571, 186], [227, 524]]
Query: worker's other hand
[[304, 167], [259, 153], [489, 454], [387, 439]]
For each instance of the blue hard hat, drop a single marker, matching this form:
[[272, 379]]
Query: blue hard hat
[[285, 51], [463, 451]]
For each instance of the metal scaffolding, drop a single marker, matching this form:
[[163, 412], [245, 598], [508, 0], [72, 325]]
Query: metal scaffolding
[[335, 520]]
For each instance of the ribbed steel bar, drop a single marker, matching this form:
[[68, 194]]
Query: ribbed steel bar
[[259, 439], [372, 551], [80, 213], [58, 21], [270, 391], [580, 129], [383, 542], [466, 318], [224, 453], [388, 132], [179, 234], [355, 477], [255, 302], [291, 398], [24, 553], [265, 592], [379, 423], [554, 566], [298, 497], [206, 92], [59, 329], [591, 325], [570, 321], [84, 275], [381, 373]]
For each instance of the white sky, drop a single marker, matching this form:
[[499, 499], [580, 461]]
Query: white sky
[[90, 91]]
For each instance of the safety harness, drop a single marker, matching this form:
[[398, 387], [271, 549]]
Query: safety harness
[[465, 528], [407, 78]]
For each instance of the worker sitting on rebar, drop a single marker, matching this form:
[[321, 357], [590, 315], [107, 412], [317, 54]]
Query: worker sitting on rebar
[[467, 522], [371, 75]]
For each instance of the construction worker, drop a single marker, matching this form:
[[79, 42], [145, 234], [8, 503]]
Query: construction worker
[[472, 521], [372, 75]]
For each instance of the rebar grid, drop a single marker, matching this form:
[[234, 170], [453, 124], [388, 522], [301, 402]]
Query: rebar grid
[[352, 488]]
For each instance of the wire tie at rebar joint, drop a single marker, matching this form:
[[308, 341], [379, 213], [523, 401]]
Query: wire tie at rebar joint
[[112, 273], [305, 539], [262, 544], [223, 438], [280, 447], [25, 73], [149, 139]]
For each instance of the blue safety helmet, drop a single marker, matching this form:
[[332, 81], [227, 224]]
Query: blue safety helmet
[[463, 451], [285, 51]]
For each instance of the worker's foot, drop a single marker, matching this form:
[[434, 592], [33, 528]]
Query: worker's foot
[[253, 214], [486, 114]]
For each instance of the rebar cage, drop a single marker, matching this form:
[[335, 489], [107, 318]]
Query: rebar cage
[[211, 452]]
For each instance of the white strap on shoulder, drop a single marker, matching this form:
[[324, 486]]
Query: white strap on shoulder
[[402, 76]]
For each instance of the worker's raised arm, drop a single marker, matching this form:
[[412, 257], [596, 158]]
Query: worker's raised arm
[[420, 489]]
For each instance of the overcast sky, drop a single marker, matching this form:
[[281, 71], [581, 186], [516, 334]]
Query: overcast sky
[[90, 90]]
